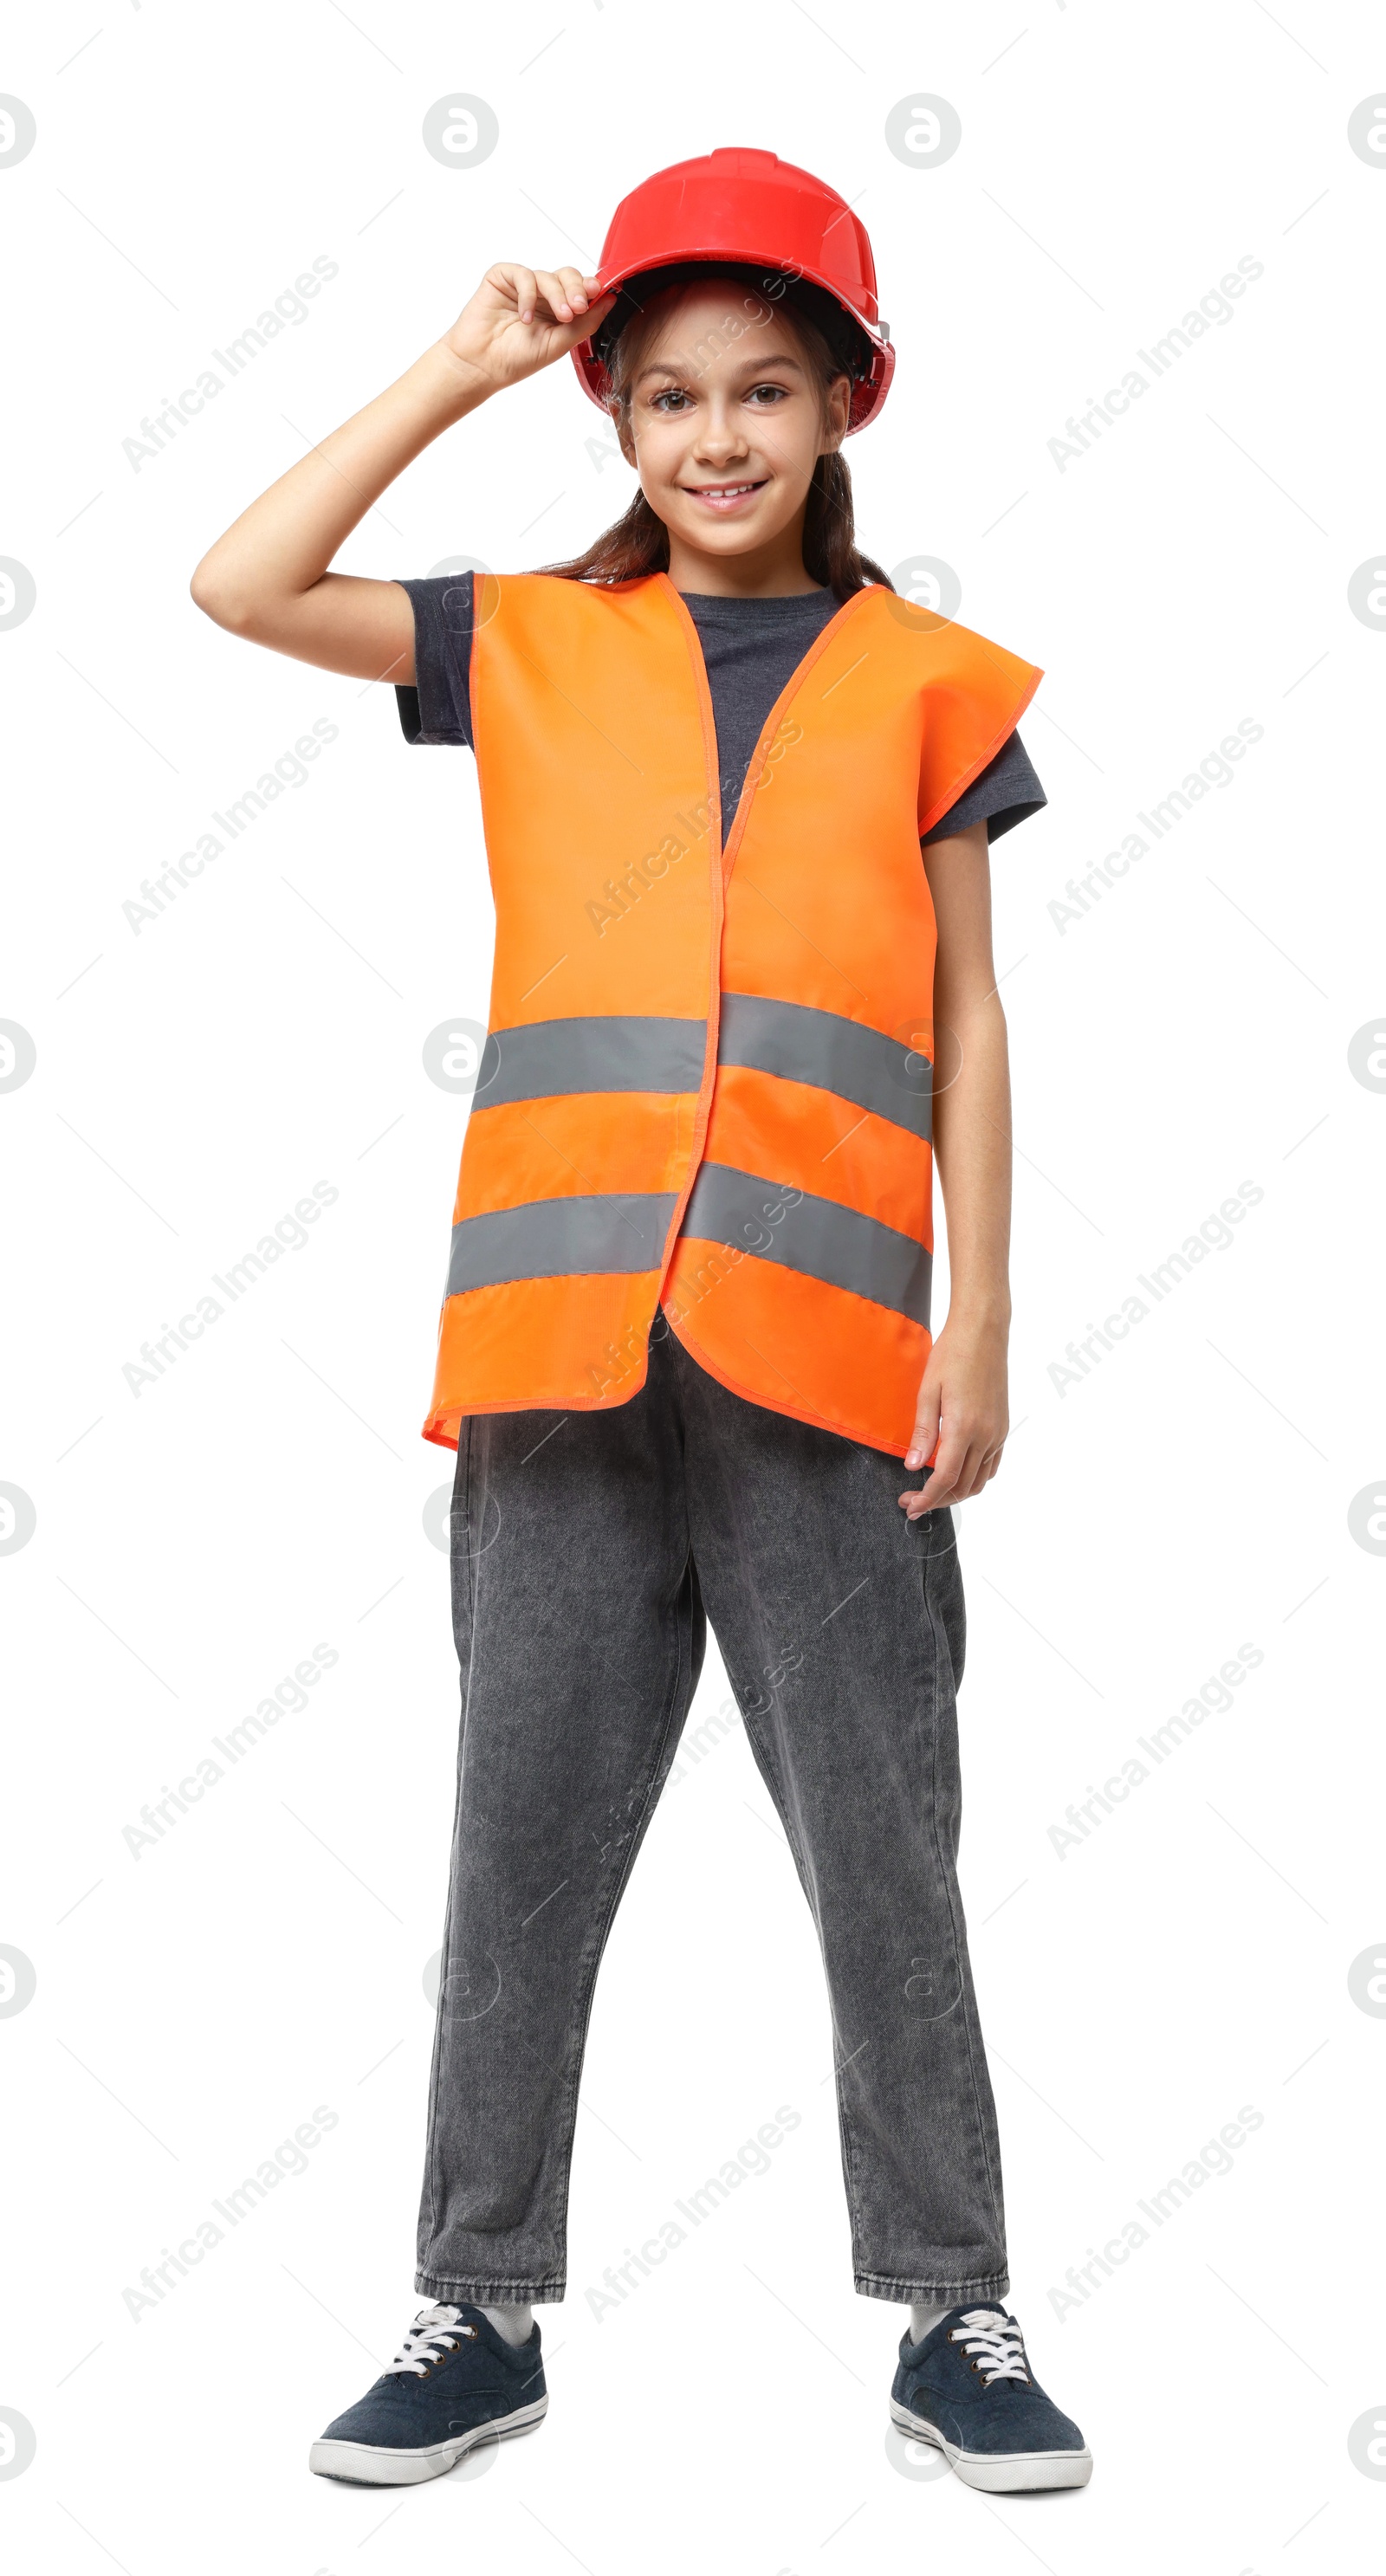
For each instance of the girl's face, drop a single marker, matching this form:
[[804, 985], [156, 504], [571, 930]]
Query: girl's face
[[727, 421]]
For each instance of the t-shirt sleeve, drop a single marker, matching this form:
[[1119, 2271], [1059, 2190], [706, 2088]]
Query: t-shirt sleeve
[[438, 707], [1004, 793]]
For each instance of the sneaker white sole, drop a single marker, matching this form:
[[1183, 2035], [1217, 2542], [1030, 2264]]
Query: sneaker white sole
[[1012, 2473], [370, 2466]]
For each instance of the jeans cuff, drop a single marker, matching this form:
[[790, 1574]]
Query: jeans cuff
[[931, 2294], [488, 2294]]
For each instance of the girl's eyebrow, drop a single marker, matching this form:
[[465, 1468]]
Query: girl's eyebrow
[[751, 365]]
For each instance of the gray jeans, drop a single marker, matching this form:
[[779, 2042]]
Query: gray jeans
[[584, 1548]]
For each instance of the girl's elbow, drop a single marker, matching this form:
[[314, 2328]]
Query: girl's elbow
[[209, 593], [220, 599]]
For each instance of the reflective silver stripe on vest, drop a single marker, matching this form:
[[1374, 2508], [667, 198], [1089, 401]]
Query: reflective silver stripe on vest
[[557, 1238], [811, 1235], [550, 1057], [804, 1045]]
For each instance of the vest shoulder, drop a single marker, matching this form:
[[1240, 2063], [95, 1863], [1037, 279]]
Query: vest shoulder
[[544, 608], [552, 590], [931, 653], [924, 627]]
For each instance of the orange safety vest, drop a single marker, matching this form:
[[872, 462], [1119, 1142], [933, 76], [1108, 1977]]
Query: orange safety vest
[[707, 1080]]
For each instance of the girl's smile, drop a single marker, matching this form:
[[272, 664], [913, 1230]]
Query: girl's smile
[[722, 497]]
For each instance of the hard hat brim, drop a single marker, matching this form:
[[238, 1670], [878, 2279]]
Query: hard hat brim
[[871, 376]]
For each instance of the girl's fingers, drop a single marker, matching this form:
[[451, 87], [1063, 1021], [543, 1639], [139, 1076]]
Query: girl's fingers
[[973, 1477], [954, 1492], [562, 336], [559, 299], [961, 1469], [981, 1466], [579, 296], [941, 1486], [963, 1475], [925, 1431], [522, 281], [554, 293]]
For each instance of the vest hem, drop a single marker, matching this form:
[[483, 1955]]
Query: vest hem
[[441, 1426], [796, 1412]]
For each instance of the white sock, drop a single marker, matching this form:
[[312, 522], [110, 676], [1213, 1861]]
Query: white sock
[[516, 2324], [923, 2320]]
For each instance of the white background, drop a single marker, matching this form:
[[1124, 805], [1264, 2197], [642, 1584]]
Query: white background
[[1191, 1493]]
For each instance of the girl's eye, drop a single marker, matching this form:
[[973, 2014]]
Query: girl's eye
[[665, 401], [773, 393]]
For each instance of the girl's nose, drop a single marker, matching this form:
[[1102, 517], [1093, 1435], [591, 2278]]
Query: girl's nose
[[721, 438]]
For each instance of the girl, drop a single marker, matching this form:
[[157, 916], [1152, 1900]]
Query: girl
[[684, 1344]]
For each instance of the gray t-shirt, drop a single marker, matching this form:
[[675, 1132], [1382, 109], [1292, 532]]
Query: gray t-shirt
[[751, 648]]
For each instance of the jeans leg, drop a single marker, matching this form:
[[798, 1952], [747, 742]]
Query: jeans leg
[[579, 1633], [841, 1625]]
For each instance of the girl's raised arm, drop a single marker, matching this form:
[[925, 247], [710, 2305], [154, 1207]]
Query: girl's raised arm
[[268, 578]]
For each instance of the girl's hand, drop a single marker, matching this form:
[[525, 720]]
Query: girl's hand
[[521, 319], [962, 1406]]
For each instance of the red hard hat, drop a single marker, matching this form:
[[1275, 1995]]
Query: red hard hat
[[748, 209]]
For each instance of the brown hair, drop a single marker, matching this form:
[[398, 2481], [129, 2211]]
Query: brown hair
[[638, 542]]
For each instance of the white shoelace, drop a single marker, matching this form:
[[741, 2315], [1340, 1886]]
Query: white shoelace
[[990, 2334], [433, 2332]]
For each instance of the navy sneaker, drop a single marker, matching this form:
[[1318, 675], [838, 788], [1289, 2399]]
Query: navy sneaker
[[453, 2383], [969, 2389]]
